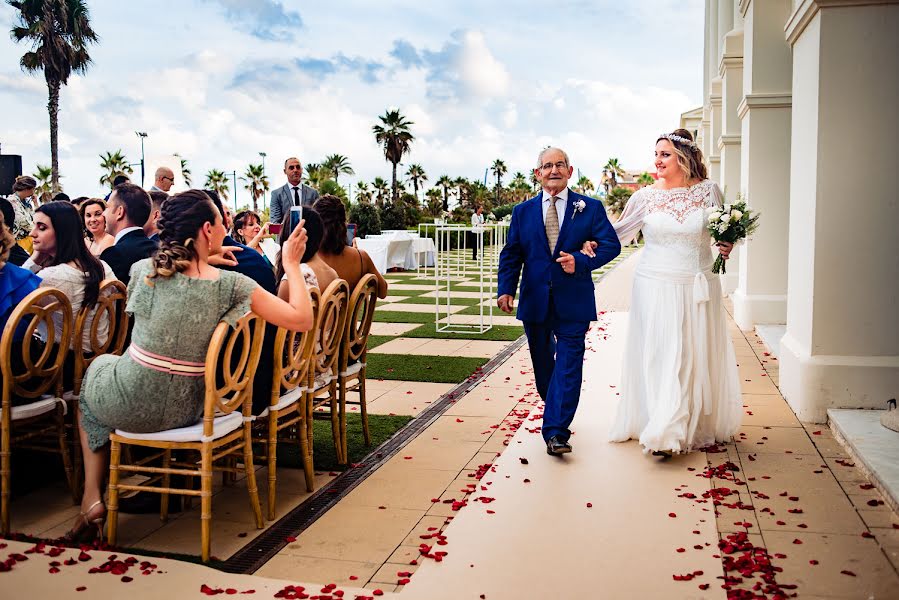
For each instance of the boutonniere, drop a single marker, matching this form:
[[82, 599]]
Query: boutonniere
[[579, 206]]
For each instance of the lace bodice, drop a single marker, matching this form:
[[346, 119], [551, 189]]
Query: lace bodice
[[673, 224]]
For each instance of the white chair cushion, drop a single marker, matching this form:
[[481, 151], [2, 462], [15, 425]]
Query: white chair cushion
[[44, 405], [352, 369], [221, 426], [286, 400], [321, 381], [70, 396]]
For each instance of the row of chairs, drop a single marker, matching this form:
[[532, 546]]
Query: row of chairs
[[314, 373]]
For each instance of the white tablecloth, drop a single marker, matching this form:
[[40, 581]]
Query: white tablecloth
[[398, 249]]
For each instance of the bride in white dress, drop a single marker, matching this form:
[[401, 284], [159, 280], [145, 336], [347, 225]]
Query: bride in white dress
[[679, 387]]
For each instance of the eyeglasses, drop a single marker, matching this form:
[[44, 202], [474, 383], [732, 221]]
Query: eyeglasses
[[294, 167], [561, 165], [172, 179]]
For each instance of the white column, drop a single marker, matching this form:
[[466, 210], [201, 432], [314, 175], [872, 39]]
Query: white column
[[761, 295], [714, 129], [841, 348], [731, 71], [710, 72]]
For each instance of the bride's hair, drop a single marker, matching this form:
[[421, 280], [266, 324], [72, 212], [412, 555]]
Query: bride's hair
[[689, 156], [182, 217]]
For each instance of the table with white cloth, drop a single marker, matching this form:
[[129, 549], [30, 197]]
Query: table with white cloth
[[398, 249]]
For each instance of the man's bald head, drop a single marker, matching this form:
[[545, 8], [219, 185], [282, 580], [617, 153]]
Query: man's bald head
[[164, 178]]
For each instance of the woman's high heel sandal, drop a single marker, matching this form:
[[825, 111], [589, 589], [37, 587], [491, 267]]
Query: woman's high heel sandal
[[88, 528], [664, 454]]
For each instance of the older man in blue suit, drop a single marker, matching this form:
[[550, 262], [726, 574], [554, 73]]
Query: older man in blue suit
[[557, 302]]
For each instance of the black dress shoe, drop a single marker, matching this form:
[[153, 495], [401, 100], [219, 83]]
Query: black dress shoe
[[664, 454], [557, 447], [143, 503]]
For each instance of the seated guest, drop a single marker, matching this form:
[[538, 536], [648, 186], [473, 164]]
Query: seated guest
[[178, 290], [316, 271], [350, 263], [97, 239], [15, 282], [151, 227], [126, 213], [249, 263], [17, 254], [62, 197], [249, 230]]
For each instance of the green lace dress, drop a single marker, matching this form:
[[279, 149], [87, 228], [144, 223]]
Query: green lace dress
[[174, 318]]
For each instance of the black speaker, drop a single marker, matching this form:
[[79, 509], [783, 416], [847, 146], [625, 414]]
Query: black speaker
[[10, 168]]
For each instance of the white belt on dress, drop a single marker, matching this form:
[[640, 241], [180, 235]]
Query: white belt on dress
[[166, 364]]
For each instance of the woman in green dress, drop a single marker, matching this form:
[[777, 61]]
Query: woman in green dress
[[177, 299]]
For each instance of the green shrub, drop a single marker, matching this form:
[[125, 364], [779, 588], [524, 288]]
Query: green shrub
[[501, 211], [365, 216]]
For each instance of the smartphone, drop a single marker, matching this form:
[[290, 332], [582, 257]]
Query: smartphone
[[296, 215], [350, 233], [274, 228]]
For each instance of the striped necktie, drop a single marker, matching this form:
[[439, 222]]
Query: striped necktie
[[552, 225]]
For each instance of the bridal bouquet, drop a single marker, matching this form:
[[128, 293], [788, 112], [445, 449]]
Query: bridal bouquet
[[730, 223]]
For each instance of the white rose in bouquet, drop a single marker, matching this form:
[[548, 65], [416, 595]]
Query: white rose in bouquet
[[722, 227], [735, 215], [725, 217], [714, 216]]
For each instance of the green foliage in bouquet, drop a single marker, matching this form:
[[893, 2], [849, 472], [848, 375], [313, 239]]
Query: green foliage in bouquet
[[730, 223]]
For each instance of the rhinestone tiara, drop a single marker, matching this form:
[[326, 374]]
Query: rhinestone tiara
[[680, 140]]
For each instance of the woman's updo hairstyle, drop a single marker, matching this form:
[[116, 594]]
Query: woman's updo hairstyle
[[689, 156], [181, 218], [24, 182], [333, 213]]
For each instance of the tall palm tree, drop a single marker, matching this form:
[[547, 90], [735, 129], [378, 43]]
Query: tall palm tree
[[363, 194], [645, 179], [185, 170], [337, 164], [446, 183], [416, 173], [316, 174], [218, 181], [380, 189], [461, 185], [584, 185], [499, 168], [59, 32], [434, 201], [535, 183], [257, 183], [44, 177], [519, 186], [394, 135], [612, 171], [115, 164]]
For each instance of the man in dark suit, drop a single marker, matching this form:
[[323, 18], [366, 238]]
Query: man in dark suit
[[126, 214], [294, 193], [557, 302]]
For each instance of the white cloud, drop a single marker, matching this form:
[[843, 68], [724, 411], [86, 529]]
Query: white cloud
[[480, 71]]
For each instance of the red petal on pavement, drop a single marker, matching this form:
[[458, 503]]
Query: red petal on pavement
[[672, 515], [845, 572]]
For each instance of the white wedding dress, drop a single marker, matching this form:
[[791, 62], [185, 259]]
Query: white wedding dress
[[679, 385]]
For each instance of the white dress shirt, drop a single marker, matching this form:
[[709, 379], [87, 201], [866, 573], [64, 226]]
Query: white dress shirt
[[561, 203]]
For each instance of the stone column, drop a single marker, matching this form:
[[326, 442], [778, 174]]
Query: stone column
[[841, 348], [730, 69], [761, 295], [710, 72], [714, 159]]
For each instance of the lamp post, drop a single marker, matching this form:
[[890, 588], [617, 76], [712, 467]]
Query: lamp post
[[263, 155], [234, 179], [142, 135]]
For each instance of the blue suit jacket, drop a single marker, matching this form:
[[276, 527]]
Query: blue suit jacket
[[132, 247], [527, 248], [253, 265]]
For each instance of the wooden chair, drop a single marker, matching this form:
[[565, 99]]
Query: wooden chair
[[353, 351], [285, 418], [34, 373], [224, 430], [323, 389]]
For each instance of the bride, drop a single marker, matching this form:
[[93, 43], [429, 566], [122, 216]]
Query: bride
[[679, 387]]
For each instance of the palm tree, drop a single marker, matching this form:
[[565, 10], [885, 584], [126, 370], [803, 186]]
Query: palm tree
[[59, 32], [257, 183], [535, 183], [434, 201], [394, 135], [185, 171], [379, 186], [446, 183], [499, 169], [416, 173], [316, 174], [115, 164], [218, 181], [645, 179], [337, 164], [44, 177], [612, 171], [519, 186], [584, 185], [363, 194], [461, 185]]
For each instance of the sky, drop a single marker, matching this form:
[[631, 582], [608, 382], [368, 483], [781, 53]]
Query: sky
[[219, 81]]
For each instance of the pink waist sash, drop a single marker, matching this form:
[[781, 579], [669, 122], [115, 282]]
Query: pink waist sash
[[166, 364]]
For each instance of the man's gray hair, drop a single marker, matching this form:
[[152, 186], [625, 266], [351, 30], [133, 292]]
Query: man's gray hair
[[549, 148]]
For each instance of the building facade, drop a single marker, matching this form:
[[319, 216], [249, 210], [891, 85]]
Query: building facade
[[800, 118]]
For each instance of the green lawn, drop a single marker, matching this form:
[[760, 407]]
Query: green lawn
[[395, 316], [499, 333], [434, 369]]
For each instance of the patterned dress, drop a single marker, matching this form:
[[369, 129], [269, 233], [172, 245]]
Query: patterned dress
[[174, 318]]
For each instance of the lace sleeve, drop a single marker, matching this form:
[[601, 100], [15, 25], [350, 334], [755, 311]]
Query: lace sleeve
[[631, 220]]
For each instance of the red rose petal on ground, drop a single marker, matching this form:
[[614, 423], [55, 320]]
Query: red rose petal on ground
[[703, 586], [126, 579], [672, 515], [797, 541], [589, 505], [813, 562], [80, 588], [867, 534], [377, 592], [681, 549], [523, 461], [290, 539], [845, 572], [353, 578]]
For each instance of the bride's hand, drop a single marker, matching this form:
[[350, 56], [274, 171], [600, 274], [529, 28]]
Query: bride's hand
[[724, 249], [588, 249]]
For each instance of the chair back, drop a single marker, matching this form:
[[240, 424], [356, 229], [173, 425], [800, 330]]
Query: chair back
[[358, 322], [110, 309], [30, 369], [294, 354], [229, 376], [331, 320]]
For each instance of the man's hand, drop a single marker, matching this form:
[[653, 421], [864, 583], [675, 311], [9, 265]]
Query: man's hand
[[589, 247], [505, 303], [567, 262], [224, 258]]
